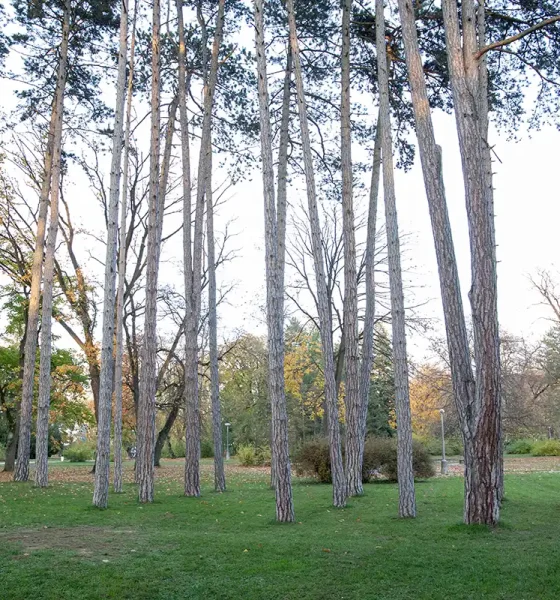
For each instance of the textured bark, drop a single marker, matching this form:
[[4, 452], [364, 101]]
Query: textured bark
[[43, 403], [407, 498], [163, 434], [483, 461], [275, 231], [219, 473], [350, 319], [24, 435], [192, 410], [117, 415], [101, 489], [324, 310], [368, 354], [146, 404]]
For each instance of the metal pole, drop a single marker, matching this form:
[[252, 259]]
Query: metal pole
[[444, 469], [227, 441]]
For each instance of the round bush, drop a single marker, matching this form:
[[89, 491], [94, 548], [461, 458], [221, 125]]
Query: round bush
[[79, 452], [380, 460], [520, 447], [547, 448]]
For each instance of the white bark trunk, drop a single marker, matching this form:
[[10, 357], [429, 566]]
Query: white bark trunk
[[407, 499], [331, 399], [24, 437], [101, 489]]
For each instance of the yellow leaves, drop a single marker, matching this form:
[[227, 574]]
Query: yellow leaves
[[428, 391]]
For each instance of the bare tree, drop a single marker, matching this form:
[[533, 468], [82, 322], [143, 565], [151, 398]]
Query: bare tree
[[24, 438], [407, 499]]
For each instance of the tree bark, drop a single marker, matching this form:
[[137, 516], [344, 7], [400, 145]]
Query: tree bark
[[43, 404], [275, 231], [350, 319], [407, 498], [192, 454], [325, 318], [219, 473], [146, 405], [368, 353], [101, 489], [24, 436], [163, 434], [483, 440], [117, 416]]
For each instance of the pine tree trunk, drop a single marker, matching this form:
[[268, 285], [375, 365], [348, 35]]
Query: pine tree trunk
[[43, 403], [483, 482], [107, 379], [324, 309], [119, 350], [219, 474], [192, 410], [368, 353], [407, 498], [24, 435], [350, 319], [146, 404], [275, 232]]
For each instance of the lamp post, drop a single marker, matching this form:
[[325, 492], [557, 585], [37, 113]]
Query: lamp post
[[227, 440], [443, 459]]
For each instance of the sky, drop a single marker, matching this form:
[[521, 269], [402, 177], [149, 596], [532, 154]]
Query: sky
[[527, 216]]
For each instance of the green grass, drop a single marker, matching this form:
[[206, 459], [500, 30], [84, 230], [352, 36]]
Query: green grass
[[53, 545]]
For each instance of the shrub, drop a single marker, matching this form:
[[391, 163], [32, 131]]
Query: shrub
[[2, 453], [313, 459], [546, 448], [252, 456], [79, 452], [520, 447], [380, 458], [453, 445], [206, 449]]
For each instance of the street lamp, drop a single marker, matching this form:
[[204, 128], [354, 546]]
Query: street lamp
[[228, 425], [443, 460]]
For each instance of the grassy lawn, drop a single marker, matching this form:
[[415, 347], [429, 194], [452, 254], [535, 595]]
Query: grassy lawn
[[53, 545]]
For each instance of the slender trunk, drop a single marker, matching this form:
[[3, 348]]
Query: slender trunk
[[117, 417], [407, 498], [192, 454], [146, 406], [101, 489], [368, 355], [350, 320], [483, 482], [219, 474], [163, 435], [43, 404], [325, 320], [275, 231], [24, 437]]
